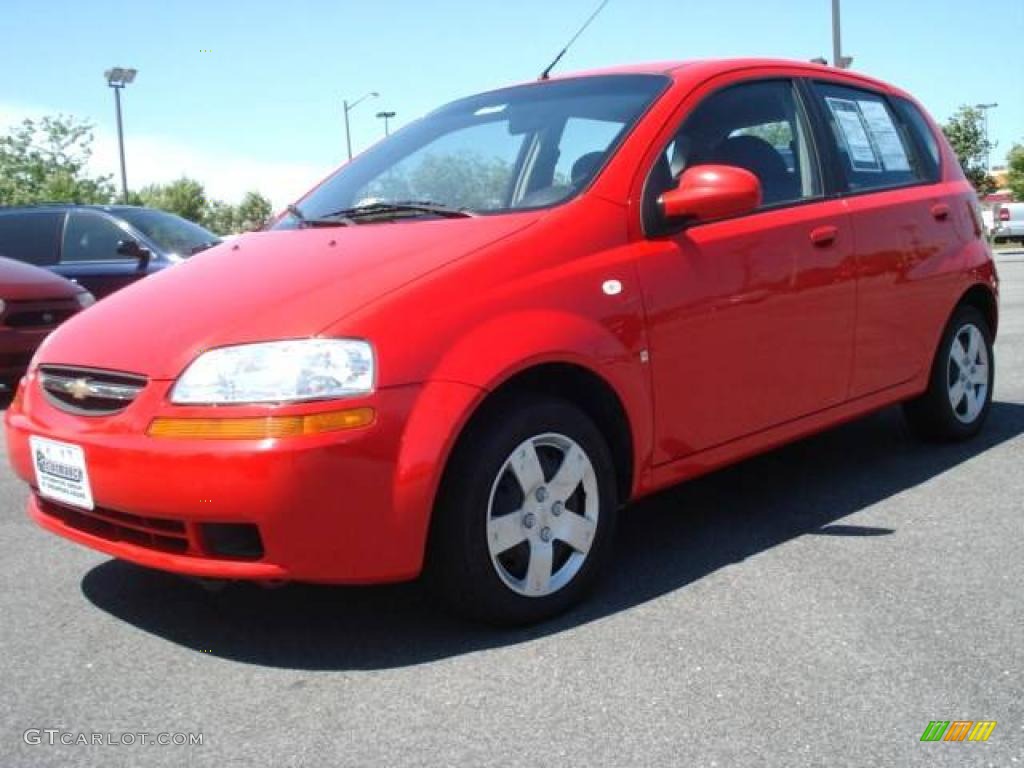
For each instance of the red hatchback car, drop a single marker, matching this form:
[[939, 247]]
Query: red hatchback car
[[464, 351]]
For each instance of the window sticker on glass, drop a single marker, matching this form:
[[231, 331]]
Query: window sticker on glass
[[854, 134], [885, 136]]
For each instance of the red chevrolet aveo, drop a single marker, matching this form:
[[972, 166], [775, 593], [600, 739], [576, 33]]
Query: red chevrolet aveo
[[464, 351]]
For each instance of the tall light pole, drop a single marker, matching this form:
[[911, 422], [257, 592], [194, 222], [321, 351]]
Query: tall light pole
[[984, 108], [348, 108], [385, 116], [838, 60], [118, 78]]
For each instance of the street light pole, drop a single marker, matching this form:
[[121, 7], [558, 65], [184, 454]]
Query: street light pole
[[385, 116], [118, 78], [837, 45], [984, 108], [348, 108]]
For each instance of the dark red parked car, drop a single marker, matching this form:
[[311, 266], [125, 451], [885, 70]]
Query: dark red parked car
[[33, 302]]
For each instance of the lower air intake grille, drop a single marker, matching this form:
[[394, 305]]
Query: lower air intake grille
[[149, 532]]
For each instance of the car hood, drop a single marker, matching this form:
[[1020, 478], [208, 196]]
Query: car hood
[[266, 285], [24, 282]]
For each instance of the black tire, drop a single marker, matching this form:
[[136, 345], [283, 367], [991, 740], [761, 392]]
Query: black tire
[[460, 567], [933, 415]]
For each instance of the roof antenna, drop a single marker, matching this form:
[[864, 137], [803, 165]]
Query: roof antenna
[[545, 75]]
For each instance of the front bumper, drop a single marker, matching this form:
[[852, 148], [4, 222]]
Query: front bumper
[[342, 507], [17, 345]]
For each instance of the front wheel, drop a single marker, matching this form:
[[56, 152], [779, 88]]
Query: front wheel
[[526, 513], [959, 393]]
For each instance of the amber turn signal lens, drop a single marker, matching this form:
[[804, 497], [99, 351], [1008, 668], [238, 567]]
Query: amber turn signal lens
[[261, 427]]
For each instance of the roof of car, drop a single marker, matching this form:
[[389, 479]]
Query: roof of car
[[710, 67], [62, 206]]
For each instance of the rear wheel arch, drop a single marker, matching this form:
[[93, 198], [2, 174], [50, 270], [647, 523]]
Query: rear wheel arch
[[981, 297]]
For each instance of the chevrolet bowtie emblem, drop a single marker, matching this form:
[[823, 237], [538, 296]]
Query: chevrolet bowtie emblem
[[78, 389]]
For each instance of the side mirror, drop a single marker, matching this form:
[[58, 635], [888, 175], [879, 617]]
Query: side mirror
[[133, 250], [708, 192]]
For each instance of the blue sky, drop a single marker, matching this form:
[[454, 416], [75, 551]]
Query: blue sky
[[262, 108]]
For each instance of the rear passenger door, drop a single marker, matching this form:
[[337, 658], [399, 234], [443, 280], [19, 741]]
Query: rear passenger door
[[904, 230], [89, 254]]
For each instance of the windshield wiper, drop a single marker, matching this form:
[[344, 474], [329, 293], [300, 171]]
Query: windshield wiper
[[398, 206], [334, 220], [203, 246]]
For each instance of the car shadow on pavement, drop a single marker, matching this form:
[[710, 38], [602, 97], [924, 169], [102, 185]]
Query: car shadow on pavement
[[664, 543]]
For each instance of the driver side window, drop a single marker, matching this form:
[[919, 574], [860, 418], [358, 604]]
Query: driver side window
[[758, 126]]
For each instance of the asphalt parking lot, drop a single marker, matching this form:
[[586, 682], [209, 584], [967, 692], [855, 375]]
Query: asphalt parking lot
[[815, 606]]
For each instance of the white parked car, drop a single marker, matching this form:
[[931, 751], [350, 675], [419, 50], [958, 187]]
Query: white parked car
[[1009, 222]]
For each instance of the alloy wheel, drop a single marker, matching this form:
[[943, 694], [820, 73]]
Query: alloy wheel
[[968, 373], [542, 514]]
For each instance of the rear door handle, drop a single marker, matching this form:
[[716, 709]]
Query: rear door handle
[[940, 211], [822, 237]]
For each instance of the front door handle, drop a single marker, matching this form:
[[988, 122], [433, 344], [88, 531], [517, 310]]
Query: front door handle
[[940, 211], [822, 237]]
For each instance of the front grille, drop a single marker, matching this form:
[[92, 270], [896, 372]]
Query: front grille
[[38, 315], [87, 391], [37, 318], [149, 532]]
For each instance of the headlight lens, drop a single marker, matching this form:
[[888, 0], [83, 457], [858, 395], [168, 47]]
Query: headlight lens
[[85, 299], [278, 371]]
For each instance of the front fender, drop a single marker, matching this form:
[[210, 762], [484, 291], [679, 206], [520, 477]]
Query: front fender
[[492, 353]]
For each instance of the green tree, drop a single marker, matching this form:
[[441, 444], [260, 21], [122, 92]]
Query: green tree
[[253, 212], [45, 160], [463, 179], [185, 197], [1015, 171], [966, 133], [220, 217]]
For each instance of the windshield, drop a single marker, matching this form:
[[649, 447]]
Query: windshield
[[529, 146], [170, 233]]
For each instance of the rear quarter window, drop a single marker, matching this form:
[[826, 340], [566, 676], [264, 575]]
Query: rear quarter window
[[32, 237], [874, 147]]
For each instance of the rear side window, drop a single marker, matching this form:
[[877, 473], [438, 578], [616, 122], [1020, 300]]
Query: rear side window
[[31, 237], [873, 148], [918, 125]]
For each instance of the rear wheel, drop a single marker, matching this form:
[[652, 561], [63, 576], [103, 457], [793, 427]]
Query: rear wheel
[[526, 513], [959, 393]]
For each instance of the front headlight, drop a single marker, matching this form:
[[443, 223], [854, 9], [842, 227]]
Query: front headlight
[[85, 299], [278, 371]]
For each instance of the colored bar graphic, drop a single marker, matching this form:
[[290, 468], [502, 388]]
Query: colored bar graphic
[[958, 730], [935, 730], [982, 730]]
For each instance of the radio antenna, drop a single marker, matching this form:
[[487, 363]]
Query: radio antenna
[[545, 75]]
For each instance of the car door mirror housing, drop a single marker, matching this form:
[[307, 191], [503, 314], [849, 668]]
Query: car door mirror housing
[[132, 249], [708, 192]]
